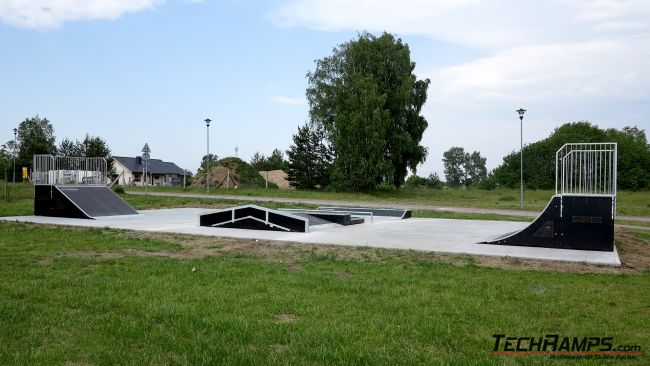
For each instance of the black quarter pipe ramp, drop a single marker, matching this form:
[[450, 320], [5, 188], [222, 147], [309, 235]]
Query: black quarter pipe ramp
[[581, 214], [568, 222]]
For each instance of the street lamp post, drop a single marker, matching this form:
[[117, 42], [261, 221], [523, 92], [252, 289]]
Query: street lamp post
[[207, 170], [521, 112], [15, 137]]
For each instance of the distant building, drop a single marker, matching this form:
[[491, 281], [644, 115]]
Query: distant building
[[159, 173]]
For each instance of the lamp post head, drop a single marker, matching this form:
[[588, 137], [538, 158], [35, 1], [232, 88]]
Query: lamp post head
[[207, 122], [521, 112]]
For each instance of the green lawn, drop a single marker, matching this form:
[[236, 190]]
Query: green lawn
[[100, 296], [628, 203]]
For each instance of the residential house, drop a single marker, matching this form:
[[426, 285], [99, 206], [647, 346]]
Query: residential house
[[130, 171]]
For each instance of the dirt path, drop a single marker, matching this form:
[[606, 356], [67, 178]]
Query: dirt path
[[326, 202]]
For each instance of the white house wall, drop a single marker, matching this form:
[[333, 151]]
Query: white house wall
[[126, 176]]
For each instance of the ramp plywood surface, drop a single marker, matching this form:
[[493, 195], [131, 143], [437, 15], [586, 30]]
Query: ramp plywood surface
[[97, 201]]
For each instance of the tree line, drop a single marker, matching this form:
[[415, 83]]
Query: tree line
[[539, 157], [35, 135]]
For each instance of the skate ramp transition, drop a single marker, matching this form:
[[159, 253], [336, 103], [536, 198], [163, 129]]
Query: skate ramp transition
[[568, 222], [82, 202], [581, 214], [74, 187], [253, 217]]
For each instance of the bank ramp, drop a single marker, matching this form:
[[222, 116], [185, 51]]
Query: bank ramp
[[83, 202]]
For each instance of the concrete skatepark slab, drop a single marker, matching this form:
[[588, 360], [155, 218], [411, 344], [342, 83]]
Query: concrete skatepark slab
[[429, 235]]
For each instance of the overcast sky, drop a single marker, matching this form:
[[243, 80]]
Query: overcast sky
[[136, 71]]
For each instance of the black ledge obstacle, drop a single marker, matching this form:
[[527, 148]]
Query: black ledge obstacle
[[369, 211], [318, 217], [255, 217], [74, 187], [581, 214]]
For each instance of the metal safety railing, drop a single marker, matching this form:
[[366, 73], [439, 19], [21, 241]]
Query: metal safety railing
[[586, 169], [50, 169]]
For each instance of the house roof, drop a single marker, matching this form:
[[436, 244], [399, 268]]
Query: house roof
[[156, 166]]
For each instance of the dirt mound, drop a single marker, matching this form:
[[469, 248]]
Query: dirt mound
[[220, 176], [230, 172], [277, 177]]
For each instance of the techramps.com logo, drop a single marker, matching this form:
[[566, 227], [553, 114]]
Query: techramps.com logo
[[565, 348]]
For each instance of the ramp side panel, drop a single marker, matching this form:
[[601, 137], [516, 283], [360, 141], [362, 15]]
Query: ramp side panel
[[97, 201], [568, 222], [587, 223], [215, 218], [49, 201], [255, 218], [294, 224]]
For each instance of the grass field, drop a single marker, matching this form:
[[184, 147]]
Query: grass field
[[100, 296], [628, 203]]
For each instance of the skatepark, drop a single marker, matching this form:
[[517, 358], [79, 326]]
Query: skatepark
[[576, 226]]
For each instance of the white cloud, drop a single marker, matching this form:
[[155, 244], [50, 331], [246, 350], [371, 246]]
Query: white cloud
[[541, 49], [482, 23], [49, 14], [575, 71], [288, 100]]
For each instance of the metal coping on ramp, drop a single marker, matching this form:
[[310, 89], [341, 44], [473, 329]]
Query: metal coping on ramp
[[369, 211], [255, 217], [79, 201]]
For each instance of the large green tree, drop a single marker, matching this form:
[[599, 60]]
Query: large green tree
[[463, 168], [475, 170], [35, 136], [275, 161], [68, 147], [453, 160], [369, 102], [259, 161], [91, 146], [6, 160], [310, 159], [208, 160]]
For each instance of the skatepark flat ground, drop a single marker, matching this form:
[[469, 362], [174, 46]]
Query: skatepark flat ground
[[429, 235]]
